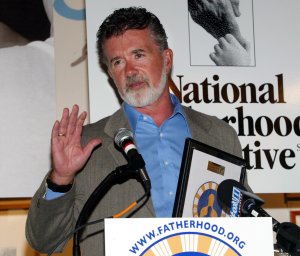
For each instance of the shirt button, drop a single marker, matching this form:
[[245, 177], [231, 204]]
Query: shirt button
[[171, 193], [144, 117], [166, 162], [161, 134]]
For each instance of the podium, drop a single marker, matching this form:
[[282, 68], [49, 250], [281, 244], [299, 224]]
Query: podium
[[189, 236]]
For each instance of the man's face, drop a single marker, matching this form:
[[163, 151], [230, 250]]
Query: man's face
[[137, 66]]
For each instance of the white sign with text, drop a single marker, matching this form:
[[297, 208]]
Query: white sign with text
[[189, 236]]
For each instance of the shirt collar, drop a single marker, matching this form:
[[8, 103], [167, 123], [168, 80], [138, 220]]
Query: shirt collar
[[133, 115]]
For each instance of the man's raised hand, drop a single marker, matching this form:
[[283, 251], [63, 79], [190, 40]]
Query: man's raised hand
[[68, 155]]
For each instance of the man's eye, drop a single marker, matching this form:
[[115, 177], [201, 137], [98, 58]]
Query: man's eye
[[138, 55], [117, 62]]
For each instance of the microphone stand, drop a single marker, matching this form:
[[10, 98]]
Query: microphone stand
[[118, 176], [287, 233], [288, 238]]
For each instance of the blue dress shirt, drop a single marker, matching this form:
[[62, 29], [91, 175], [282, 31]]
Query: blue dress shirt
[[162, 149]]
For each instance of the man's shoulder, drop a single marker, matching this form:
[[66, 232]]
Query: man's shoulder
[[95, 128], [213, 131], [107, 125]]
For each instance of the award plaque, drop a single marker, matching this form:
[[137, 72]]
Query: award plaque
[[203, 168]]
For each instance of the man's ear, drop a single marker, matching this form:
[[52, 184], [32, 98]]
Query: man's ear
[[109, 72], [168, 58]]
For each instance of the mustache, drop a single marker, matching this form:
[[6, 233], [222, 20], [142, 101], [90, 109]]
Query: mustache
[[136, 79]]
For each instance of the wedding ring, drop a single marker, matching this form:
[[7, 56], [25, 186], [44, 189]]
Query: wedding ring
[[61, 134]]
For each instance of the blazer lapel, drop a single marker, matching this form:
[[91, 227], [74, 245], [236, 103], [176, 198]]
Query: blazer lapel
[[200, 127], [115, 122]]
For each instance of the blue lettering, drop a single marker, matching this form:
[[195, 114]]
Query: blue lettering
[[236, 240], [142, 241], [192, 224], [186, 224], [235, 202], [172, 225], [242, 244], [207, 226], [200, 224], [230, 235], [151, 235], [221, 231], [179, 225], [134, 249], [160, 230], [214, 228], [166, 228]]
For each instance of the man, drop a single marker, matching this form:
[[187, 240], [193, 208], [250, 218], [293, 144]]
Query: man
[[132, 46]]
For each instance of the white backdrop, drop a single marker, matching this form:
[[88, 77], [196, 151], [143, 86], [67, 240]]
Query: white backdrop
[[35, 85], [27, 108], [268, 128]]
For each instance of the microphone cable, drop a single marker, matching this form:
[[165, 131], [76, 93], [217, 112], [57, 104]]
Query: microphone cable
[[117, 215]]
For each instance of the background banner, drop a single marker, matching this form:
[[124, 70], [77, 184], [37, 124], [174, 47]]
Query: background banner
[[254, 85]]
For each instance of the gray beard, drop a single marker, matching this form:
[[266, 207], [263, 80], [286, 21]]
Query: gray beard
[[147, 95]]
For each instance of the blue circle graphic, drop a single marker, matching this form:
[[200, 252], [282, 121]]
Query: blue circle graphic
[[66, 11]]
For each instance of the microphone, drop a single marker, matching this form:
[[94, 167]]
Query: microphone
[[235, 198], [124, 139]]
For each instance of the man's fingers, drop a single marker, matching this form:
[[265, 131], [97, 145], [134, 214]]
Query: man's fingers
[[72, 120], [90, 146], [55, 136], [79, 123], [55, 130], [63, 124]]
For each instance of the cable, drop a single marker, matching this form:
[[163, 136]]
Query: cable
[[118, 215], [65, 238]]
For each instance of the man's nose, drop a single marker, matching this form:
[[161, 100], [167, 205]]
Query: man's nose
[[130, 69]]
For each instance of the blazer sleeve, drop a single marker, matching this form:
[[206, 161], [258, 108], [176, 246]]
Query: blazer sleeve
[[49, 221]]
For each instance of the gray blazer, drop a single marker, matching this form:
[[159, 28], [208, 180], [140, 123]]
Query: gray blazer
[[48, 221]]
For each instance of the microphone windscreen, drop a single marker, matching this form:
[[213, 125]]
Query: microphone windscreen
[[121, 135], [224, 191]]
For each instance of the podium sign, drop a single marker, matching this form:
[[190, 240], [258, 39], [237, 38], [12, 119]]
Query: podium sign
[[189, 236]]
